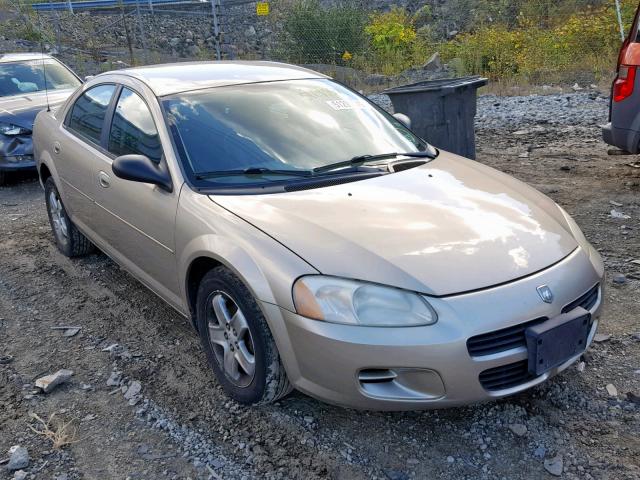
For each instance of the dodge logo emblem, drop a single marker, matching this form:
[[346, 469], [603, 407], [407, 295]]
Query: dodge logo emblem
[[545, 293]]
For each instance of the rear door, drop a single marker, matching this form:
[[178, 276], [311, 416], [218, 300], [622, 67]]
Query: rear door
[[77, 148], [137, 220]]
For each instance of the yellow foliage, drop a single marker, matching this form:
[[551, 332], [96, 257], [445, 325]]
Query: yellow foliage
[[396, 44], [584, 41]]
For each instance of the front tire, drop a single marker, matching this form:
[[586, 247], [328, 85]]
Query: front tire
[[68, 238], [237, 340], [3, 178]]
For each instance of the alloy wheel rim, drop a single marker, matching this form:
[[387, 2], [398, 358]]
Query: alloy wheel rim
[[230, 339], [57, 216]]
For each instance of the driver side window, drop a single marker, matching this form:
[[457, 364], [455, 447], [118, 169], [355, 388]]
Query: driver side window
[[88, 113], [133, 130]]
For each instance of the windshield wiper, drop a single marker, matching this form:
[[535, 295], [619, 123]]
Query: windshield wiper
[[362, 159], [253, 171]]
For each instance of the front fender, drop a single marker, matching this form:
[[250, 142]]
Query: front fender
[[205, 229], [225, 252]]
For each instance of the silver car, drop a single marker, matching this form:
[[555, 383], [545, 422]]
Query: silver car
[[314, 240]]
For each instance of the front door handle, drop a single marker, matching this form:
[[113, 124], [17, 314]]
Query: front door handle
[[56, 147], [104, 180]]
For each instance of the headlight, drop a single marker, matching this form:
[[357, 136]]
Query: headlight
[[11, 130], [351, 302]]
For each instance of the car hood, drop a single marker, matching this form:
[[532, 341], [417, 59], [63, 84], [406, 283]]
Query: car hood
[[450, 226], [22, 109]]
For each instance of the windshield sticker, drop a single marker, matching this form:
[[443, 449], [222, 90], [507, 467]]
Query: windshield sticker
[[340, 104]]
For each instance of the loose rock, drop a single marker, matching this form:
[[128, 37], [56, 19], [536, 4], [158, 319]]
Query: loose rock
[[540, 452], [71, 332], [612, 390], [114, 379], [601, 337], [396, 475], [619, 278], [6, 359], [18, 458], [518, 429], [49, 382], [554, 465], [133, 390], [616, 214]]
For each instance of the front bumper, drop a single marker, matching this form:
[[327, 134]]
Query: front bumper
[[17, 162], [428, 367], [16, 153]]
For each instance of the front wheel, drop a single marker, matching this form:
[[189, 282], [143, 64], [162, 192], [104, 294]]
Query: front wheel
[[237, 340], [68, 238]]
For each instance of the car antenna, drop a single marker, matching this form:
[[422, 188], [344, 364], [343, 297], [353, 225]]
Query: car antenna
[[44, 74]]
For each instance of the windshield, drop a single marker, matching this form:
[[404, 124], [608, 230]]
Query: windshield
[[295, 125], [28, 77]]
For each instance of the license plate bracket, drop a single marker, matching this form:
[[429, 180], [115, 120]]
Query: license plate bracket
[[553, 342]]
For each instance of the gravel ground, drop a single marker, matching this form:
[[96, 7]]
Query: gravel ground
[[144, 405], [576, 109]]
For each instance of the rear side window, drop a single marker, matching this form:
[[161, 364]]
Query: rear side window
[[87, 114], [133, 130]]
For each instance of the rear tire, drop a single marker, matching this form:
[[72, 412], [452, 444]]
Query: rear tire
[[68, 238], [237, 340]]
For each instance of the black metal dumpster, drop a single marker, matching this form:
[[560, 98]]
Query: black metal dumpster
[[441, 111]]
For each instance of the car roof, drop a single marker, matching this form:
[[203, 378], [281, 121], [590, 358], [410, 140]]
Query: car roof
[[173, 78], [22, 57]]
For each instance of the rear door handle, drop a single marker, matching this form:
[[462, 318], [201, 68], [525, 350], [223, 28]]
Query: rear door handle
[[56, 147], [104, 180]]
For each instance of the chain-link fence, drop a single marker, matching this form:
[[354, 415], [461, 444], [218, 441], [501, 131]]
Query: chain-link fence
[[368, 44]]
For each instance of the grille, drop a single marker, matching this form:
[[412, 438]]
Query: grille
[[513, 337], [500, 340], [506, 376], [586, 301]]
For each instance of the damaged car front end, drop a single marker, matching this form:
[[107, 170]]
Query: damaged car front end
[[16, 148], [29, 83]]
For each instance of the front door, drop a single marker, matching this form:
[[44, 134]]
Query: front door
[[137, 220]]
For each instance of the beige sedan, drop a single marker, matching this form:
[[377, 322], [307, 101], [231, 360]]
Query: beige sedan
[[314, 240]]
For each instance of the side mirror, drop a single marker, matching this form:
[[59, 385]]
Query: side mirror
[[403, 119], [139, 168]]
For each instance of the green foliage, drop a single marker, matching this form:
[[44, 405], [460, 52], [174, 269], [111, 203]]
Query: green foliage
[[28, 31], [346, 35], [394, 40], [25, 28], [313, 34], [544, 46]]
